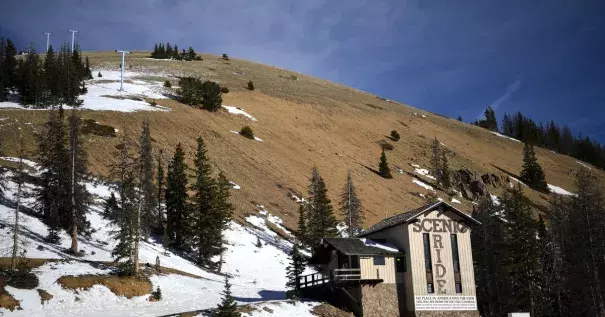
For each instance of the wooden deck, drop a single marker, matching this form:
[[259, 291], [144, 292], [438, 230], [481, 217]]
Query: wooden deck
[[336, 277]]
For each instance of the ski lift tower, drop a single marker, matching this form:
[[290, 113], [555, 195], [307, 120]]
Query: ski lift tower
[[122, 75]]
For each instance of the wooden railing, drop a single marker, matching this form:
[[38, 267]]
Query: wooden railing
[[313, 279], [346, 274], [335, 275]]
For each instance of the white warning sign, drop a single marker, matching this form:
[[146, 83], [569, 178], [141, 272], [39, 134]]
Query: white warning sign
[[445, 302]]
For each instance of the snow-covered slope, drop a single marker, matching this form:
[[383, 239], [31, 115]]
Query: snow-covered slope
[[258, 273]]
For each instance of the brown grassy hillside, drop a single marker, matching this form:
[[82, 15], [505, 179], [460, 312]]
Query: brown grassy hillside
[[304, 122]]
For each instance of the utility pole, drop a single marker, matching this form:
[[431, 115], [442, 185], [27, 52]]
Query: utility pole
[[122, 76], [47, 40], [73, 39]]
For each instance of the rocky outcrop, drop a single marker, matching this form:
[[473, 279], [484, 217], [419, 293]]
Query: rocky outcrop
[[473, 185]]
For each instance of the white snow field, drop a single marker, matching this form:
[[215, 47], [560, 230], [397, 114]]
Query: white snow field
[[504, 136], [422, 184], [584, 164], [258, 273], [239, 111], [104, 93], [559, 190]]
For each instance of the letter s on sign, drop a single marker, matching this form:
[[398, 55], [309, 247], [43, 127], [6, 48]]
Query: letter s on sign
[[417, 226]]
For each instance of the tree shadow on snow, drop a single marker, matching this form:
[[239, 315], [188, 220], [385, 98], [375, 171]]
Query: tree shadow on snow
[[265, 296]]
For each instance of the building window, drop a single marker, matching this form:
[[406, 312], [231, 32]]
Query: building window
[[400, 264], [379, 260], [456, 262], [428, 263]]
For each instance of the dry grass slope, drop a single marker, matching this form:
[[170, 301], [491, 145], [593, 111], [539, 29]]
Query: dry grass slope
[[304, 122]]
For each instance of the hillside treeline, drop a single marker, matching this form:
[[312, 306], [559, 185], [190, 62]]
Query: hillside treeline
[[58, 78], [550, 135], [161, 51]]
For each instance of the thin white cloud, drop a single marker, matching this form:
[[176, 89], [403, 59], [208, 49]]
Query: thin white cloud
[[508, 92]]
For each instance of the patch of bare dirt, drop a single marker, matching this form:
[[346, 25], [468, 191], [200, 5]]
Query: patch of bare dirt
[[122, 286], [44, 296], [327, 310]]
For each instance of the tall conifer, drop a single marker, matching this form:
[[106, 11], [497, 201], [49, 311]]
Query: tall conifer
[[148, 190], [351, 208], [177, 213]]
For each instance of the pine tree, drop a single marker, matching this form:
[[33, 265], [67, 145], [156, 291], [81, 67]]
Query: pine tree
[[16, 225], [459, 118], [445, 171], [294, 271], [160, 183], [168, 51], [203, 191], [583, 247], [488, 254], [351, 208], [111, 209], [87, 70], [322, 222], [383, 166], [532, 174], [522, 252], [436, 161], [154, 54], [30, 84], [50, 76], [148, 190], [125, 174], [177, 213], [52, 197], [191, 54], [79, 195], [175, 53], [3, 73], [212, 96], [228, 306], [301, 233]]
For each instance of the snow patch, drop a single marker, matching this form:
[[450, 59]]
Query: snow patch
[[422, 184], [495, 200], [239, 111], [234, 185], [503, 136], [384, 246], [424, 172], [584, 164], [455, 201], [559, 190]]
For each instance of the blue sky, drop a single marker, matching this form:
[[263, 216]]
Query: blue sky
[[544, 58]]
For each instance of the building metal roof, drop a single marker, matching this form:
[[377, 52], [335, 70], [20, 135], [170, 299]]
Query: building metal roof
[[355, 246], [408, 216]]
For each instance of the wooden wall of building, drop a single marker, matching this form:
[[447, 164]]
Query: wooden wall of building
[[385, 272]]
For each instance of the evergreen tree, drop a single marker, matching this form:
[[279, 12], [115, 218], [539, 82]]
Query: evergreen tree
[[459, 118], [521, 253], [228, 306], [111, 209], [154, 54], [11, 63], [160, 196], [148, 190], [87, 70], [79, 195], [445, 171], [294, 271], [351, 208], [507, 125], [52, 197], [583, 247], [212, 96], [322, 222], [191, 54], [436, 161], [175, 53], [168, 51], [203, 190], [177, 213], [532, 173], [30, 84], [488, 254], [125, 174], [383, 166], [3, 73], [301, 233]]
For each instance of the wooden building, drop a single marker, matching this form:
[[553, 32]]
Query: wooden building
[[417, 263]]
